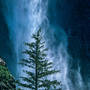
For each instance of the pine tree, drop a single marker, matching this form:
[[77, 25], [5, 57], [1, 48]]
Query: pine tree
[[7, 82], [39, 67]]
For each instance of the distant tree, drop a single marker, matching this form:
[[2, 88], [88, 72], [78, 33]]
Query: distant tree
[[39, 67], [7, 81]]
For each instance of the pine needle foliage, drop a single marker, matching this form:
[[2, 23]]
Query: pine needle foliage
[[39, 67], [7, 82]]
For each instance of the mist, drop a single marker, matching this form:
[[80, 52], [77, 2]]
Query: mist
[[25, 17]]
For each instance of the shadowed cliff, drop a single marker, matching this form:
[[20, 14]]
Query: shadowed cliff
[[6, 47]]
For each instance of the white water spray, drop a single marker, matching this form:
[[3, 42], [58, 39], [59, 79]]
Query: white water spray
[[37, 15], [27, 16]]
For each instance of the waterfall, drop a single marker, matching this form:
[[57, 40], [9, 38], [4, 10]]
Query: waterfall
[[24, 17], [58, 53], [37, 15], [70, 78]]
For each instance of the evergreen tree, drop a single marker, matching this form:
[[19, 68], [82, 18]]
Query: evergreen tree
[[7, 82], [39, 67]]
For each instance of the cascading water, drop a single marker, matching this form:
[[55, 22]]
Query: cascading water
[[27, 16], [36, 15], [38, 18], [59, 54]]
